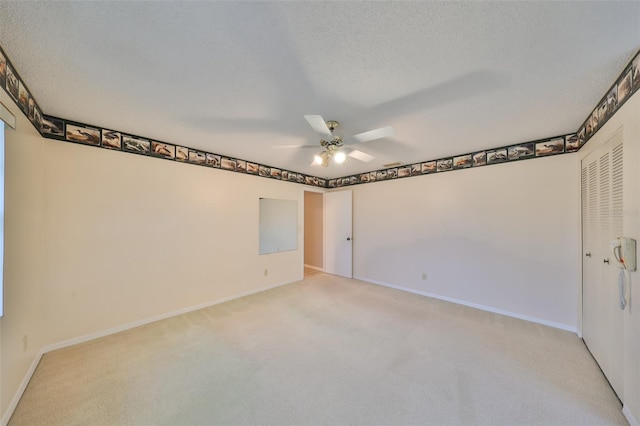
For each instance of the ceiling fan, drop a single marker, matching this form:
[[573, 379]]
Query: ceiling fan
[[333, 145]]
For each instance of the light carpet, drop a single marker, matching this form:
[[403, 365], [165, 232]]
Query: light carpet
[[310, 272], [325, 350]]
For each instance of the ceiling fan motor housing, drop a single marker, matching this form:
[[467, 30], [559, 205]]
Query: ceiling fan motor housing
[[336, 142]]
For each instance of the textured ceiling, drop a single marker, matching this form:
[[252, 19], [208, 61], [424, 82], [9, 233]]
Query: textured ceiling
[[236, 78]]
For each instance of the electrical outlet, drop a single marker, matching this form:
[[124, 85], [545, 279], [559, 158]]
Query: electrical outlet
[[266, 272], [424, 276], [25, 343]]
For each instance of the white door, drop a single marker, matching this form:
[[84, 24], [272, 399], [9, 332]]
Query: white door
[[602, 221], [338, 253]]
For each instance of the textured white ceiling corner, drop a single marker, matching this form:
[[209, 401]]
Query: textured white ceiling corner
[[236, 78]]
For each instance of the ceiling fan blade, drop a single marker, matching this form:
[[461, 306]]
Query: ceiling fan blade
[[383, 132], [362, 156], [318, 124]]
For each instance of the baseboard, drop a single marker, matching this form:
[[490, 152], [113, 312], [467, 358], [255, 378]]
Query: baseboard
[[629, 416], [314, 267], [91, 336], [474, 305], [23, 386]]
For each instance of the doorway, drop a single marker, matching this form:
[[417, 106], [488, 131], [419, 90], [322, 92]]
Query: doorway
[[313, 233], [328, 233]]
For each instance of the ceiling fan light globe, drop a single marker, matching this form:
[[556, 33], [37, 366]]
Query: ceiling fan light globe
[[317, 159], [340, 157]]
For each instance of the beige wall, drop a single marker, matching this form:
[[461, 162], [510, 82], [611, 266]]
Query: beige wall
[[503, 237], [628, 118], [24, 261], [145, 236], [97, 239], [313, 229]]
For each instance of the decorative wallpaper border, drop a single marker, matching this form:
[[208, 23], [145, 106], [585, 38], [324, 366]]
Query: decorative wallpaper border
[[18, 91], [506, 154], [627, 83], [85, 134], [71, 131]]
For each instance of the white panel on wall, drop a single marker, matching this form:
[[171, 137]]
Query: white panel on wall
[[278, 225]]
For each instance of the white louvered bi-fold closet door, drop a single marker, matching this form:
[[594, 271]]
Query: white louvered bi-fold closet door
[[602, 221]]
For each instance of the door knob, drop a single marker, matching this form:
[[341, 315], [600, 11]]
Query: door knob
[[606, 260], [348, 238], [588, 254]]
